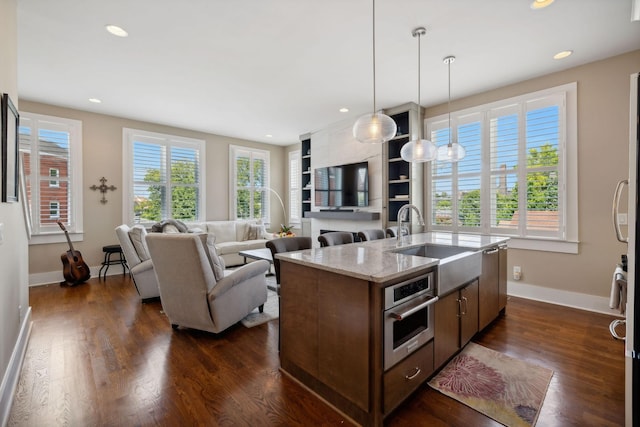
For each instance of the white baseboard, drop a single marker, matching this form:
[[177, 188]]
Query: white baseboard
[[560, 297], [39, 279], [12, 375]]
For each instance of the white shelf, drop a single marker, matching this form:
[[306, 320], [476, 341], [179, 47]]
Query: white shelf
[[355, 216]]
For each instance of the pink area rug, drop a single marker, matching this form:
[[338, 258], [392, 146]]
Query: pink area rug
[[506, 389]]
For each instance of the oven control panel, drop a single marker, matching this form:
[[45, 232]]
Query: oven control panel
[[409, 289], [404, 291]]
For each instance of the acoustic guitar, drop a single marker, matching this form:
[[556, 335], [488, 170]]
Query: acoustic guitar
[[74, 269]]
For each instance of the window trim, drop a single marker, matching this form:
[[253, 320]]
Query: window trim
[[76, 228], [568, 163], [128, 138]]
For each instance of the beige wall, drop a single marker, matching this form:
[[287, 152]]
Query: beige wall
[[603, 98], [14, 297], [102, 156], [603, 142]]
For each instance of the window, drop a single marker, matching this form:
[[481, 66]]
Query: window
[[519, 176], [52, 147], [164, 177], [249, 170], [54, 172], [54, 209], [295, 198]]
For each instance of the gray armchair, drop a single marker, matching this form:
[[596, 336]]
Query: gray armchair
[[335, 238], [393, 231], [373, 234], [135, 252], [190, 293], [286, 244]]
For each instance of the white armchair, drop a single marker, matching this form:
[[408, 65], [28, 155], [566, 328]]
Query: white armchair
[[193, 289], [138, 259]]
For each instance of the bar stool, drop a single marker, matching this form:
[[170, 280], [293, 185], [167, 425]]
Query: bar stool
[[108, 251]]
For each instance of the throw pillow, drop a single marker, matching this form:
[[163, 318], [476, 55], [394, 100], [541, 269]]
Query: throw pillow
[[217, 263], [137, 235], [170, 228], [256, 231]]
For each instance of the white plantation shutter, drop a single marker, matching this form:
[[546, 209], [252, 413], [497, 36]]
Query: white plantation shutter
[[52, 147], [164, 176], [442, 200], [295, 192], [545, 178], [249, 178], [513, 179], [469, 172], [504, 149]]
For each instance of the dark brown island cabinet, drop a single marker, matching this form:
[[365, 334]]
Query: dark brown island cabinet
[[333, 327]]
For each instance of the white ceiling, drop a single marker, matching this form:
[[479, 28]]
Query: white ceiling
[[248, 68]]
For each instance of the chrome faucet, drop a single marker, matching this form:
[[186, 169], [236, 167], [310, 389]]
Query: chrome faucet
[[400, 220]]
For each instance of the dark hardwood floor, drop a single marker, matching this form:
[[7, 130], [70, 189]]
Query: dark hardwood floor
[[97, 356]]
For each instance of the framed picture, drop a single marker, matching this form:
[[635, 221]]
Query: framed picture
[[10, 122]]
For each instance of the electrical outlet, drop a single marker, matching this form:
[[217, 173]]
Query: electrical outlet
[[517, 272]]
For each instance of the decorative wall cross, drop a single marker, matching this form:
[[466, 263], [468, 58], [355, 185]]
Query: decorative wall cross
[[103, 187]]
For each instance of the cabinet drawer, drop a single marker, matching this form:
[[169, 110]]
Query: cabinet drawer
[[406, 376]]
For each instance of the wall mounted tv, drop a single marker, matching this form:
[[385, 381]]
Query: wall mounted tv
[[342, 186]]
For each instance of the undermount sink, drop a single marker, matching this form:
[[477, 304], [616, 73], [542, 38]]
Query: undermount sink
[[457, 266]]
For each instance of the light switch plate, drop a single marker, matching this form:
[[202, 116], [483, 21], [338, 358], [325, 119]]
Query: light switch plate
[[1, 233], [622, 218]]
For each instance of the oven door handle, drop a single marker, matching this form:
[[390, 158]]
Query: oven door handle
[[413, 307]]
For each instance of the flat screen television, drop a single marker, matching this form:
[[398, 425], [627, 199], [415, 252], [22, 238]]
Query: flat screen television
[[342, 185]]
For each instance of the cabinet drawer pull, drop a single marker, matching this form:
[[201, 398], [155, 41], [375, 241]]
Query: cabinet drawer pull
[[491, 251], [415, 374]]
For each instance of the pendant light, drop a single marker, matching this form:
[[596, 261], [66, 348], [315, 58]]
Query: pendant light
[[418, 150], [451, 152], [374, 127]]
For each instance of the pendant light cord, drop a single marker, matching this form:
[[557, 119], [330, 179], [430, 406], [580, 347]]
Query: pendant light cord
[[374, 56], [449, 101], [419, 36]]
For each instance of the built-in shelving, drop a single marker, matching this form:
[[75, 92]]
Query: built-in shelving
[[345, 215], [305, 181], [402, 181]]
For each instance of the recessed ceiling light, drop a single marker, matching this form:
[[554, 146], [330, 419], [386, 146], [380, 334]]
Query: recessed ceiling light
[[95, 100], [563, 54], [344, 110], [269, 135], [540, 4], [116, 31]]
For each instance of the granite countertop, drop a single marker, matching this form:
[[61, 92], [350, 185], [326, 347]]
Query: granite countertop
[[375, 261]]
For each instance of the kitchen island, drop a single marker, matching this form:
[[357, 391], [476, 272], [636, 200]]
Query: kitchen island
[[334, 319]]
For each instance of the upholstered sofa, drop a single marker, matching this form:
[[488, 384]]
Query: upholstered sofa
[[231, 237]]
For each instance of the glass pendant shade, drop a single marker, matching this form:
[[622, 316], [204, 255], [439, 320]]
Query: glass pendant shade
[[374, 128], [450, 152], [418, 151]]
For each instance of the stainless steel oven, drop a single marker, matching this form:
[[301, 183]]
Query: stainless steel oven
[[408, 317]]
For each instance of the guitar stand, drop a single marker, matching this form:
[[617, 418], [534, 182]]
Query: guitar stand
[[69, 284]]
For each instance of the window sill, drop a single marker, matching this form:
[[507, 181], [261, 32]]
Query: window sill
[[561, 246], [45, 239]]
